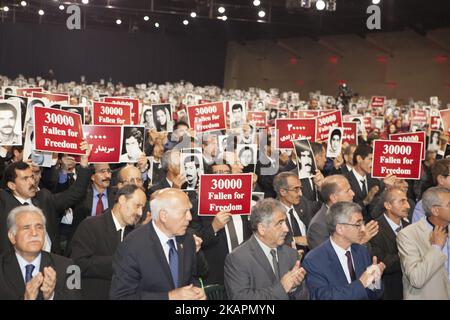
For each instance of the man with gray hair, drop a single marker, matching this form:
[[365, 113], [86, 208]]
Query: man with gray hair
[[29, 273], [340, 268], [264, 268], [424, 247]]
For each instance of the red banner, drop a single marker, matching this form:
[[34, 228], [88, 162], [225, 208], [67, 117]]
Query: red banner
[[377, 102], [411, 136], [27, 92], [445, 119], [133, 103], [225, 192], [419, 116], [111, 114], [207, 117], [106, 142], [326, 122], [58, 130], [293, 114], [367, 123], [350, 132], [435, 122], [258, 117], [402, 159], [52, 97], [294, 129], [308, 113]]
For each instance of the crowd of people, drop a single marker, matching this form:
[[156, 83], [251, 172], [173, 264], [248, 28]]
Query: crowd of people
[[71, 229]]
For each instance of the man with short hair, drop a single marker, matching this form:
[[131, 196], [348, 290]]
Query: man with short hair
[[28, 272], [340, 268], [8, 118], [191, 168], [133, 145], [424, 247], [264, 268]]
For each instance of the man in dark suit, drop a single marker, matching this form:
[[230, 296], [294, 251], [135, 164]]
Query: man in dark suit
[[264, 268], [340, 268], [345, 166], [158, 260], [96, 240], [22, 189], [28, 272], [384, 244]]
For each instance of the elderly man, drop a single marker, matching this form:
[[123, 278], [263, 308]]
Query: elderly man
[[264, 267], [96, 240], [424, 247], [158, 260], [340, 268], [30, 273]]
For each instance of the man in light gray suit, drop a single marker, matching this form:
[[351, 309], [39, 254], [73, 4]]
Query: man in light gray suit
[[264, 267]]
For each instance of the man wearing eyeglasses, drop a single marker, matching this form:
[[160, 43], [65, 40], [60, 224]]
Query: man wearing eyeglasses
[[341, 268], [424, 250]]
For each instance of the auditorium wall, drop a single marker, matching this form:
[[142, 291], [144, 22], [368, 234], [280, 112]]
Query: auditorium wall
[[419, 67], [32, 50]]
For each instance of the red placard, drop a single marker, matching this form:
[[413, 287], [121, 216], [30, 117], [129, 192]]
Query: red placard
[[367, 123], [293, 114], [133, 103], [445, 118], [326, 122], [111, 114], [52, 97], [57, 130], [419, 116], [411, 136], [402, 159], [308, 113], [258, 117], [435, 122], [27, 92], [294, 129], [350, 132], [106, 142], [207, 117], [225, 192], [377, 102]]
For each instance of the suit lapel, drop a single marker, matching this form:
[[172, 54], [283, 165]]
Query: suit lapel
[[89, 198], [357, 262], [355, 184], [181, 260], [13, 275], [112, 238], [161, 257], [335, 264], [259, 255], [390, 234]]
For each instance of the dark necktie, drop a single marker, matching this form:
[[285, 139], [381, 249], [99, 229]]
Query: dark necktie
[[28, 272], [398, 229], [99, 208], [294, 224], [25, 204], [364, 189], [276, 269], [350, 266], [314, 190], [173, 262], [233, 235], [70, 178]]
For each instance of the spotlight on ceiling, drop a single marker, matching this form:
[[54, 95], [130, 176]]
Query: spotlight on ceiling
[[23, 3], [256, 3], [146, 18], [61, 7], [221, 9], [185, 22], [6, 8], [193, 14], [156, 25], [85, 1], [41, 12], [118, 21], [320, 4], [261, 14], [376, 1]]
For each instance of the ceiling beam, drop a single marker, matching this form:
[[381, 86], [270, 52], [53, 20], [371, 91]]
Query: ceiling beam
[[288, 48], [330, 47], [376, 44]]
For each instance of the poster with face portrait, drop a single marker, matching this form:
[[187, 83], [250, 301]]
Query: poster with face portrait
[[23, 101], [434, 143], [132, 143], [247, 134], [162, 117], [306, 164], [334, 142], [191, 165], [273, 114], [75, 109], [237, 114], [147, 117], [325, 122], [247, 154], [9, 90], [39, 158], [10, 123], [445, 120]]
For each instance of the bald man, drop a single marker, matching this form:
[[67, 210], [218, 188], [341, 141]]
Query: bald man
[[158, 260]]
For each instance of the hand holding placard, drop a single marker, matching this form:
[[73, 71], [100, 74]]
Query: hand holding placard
[[84, 158]]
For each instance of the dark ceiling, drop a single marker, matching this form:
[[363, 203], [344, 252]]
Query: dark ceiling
[[279, 22]]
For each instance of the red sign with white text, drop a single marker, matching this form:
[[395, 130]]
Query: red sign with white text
[[293, 114], [308, 113], [435, 122], [402, 159], [52, 97], [288, 130], [445, 119], [367, 123], [419, 116], [225, 192], [106, 142], [411, 136], [111, 114], [207, 117], [27, 92], [58, 130], [350, 132], [326, 122], [133, 103], [258, 117], [377, 102]]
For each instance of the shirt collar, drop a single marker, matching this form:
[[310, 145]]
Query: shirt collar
[[116, 222], [266, 249], [23, 200], [339, 251], [96, 193], [163, 238], [393, 225], [358, 176], [169, 182], [22, 262]]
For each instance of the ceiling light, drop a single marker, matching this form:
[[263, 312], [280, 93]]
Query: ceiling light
[[376, 1], [185, 22], [23, 3], [41, 12], [221, 9], [193, 14], [262, 14], [320, 5], [85, 1], [5, 8], [146, 18], [118, 21], [156, 25], [61, 7], [256, 3]]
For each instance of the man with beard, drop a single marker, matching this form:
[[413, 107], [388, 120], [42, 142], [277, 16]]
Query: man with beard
[[8, 118], [96, 240], [191, 168]]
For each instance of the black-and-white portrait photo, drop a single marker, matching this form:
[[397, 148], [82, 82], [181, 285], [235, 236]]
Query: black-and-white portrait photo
[[259, 106], [248, 134], [132, 143], [334, 142], [434, 143], [306, 164], [162, 117], [191, 166], [283, 114], [237, 114], [75, 109], [273, 114], [147, 117], [10, 123], [360, 121], [23, 107], [39, 158], [9, 90], [247, 154]]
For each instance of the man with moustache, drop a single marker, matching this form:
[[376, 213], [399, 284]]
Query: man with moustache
[[96, 240], [8, 118], [191, 168]]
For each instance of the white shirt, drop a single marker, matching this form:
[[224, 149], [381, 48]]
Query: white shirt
[[359, 178], [311, 183], [340, 252], [169, 182], [23, 263], [163, 239], [237, 221], [392, 224], [267, 253], [300, 222], [348, 167], [118, 226]]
